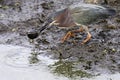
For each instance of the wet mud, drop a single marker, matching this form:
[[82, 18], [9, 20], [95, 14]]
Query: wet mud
[[100, 55]]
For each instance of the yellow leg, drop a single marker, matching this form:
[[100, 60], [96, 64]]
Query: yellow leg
[[67, 36], [87, 39], [71, 34], [87, 31]]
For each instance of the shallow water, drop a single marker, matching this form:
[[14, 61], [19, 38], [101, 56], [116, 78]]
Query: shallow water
[[14, 65]]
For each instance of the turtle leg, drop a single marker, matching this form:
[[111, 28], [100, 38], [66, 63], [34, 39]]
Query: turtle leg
[[87, 31]]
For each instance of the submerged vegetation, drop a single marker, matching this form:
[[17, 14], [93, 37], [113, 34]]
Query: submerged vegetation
[[33, 58], [67, 69]]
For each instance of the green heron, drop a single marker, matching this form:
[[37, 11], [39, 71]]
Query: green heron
[[78, 15]]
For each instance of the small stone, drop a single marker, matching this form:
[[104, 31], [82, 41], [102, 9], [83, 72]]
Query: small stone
[[13, 30], [113, 50], [2, 15], [105, 51]]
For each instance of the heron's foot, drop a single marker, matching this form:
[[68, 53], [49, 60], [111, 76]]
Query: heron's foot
[[87, 39], [67, 36]]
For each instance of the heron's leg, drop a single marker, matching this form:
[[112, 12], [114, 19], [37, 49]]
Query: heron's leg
[[67, 36], [71, 33], [87, 31]]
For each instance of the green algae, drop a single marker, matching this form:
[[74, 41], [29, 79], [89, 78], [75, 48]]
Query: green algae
[[67, 68]]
